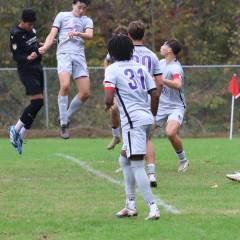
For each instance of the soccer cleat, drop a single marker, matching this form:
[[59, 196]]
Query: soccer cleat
[[127, 212], [19, 146], [113, 143], [234, 176], [154, 213], [13, 135], [64, 133], [152, 180], [183, 166]]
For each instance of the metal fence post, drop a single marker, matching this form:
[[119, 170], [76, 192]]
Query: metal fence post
[[46, 97]]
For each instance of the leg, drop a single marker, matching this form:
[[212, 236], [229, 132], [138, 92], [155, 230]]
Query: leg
[[151, 159], [81, 76], [114, 115], [32, 80], [83, 86], [135, 141], [129, 181], [151, 163], [137, 165], [64, 80], [172, 134], [17, 132], [30, 112]]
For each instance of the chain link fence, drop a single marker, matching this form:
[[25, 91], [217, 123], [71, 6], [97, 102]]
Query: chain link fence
[[206, 91]]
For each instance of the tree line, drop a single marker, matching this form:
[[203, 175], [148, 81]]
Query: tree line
[[208, 30]]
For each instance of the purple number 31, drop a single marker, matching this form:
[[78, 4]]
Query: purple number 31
[[133, 84]]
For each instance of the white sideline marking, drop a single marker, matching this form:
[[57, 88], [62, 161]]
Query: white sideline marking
[[160, 202]]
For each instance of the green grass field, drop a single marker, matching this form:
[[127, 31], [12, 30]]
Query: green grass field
[[47, 196]]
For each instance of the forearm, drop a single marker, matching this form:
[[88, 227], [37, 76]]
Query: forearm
[[85, 35], [109, 98], [49, 41], [172, 84], [154, 101]]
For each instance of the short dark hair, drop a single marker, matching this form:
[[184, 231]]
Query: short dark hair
[[120, 48], [120, 30], [87, 2], [175, 46], [28, 15], [136, 30]]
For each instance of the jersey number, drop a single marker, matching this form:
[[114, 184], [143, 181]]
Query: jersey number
[[133, 84], [145, 61]]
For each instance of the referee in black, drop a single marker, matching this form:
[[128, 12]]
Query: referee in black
[[24, 47]]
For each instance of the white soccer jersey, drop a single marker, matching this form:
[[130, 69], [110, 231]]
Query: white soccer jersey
[[132, 83], [172, 98], [148, 58], [67, 22]]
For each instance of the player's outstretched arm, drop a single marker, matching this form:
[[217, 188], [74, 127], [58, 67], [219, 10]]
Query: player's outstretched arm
[[49, 40], [154, 101]]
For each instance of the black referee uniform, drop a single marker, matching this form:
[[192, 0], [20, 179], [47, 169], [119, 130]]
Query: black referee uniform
[[22, 44]]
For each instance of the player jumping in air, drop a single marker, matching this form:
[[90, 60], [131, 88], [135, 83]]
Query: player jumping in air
[[24, 48], [131, 83], [172, 105], [72, 29]]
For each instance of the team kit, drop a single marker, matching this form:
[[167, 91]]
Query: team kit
[[142, 93]]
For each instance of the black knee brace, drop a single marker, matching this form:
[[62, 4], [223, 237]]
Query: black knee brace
[[30, 112]]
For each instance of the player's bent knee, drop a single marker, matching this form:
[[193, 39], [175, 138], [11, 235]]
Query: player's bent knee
[[170, 134], [65, 89], [84, 96]]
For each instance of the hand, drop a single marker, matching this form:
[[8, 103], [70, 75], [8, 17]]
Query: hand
[[73, 34], [42, 50], [159, 81], [32, 56]]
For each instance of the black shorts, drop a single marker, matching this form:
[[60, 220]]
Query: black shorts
[[32, 79]]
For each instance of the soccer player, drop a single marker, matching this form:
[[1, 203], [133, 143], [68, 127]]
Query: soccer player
[[172, 105], [234, 176], [24, 47], [114, 113], [131, 83], [73, 28], [145, 56]]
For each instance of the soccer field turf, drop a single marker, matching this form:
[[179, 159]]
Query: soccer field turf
[[67, 190]]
